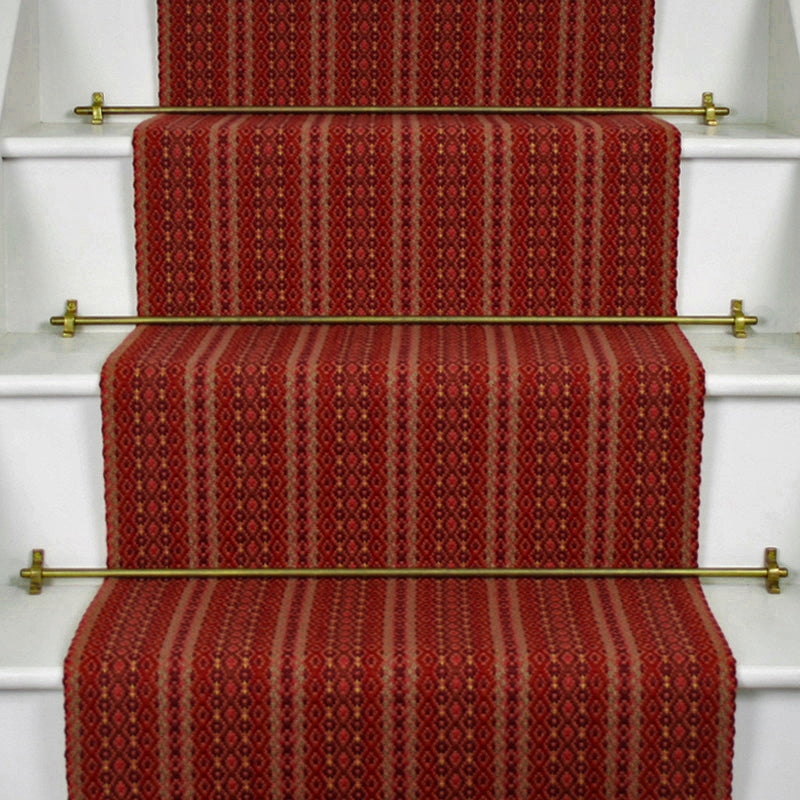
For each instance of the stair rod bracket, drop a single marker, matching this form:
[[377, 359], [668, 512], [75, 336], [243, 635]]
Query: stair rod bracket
[[707, 110], [772, 572], [737, 319]]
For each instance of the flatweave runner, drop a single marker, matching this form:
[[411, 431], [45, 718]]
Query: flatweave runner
[[399, 689], [407, 214], [405, 52], [411, 445], [398, 445]]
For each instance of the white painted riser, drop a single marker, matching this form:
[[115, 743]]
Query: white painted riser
[[70, 234]]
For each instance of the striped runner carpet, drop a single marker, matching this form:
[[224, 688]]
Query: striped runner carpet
[[417, 445]]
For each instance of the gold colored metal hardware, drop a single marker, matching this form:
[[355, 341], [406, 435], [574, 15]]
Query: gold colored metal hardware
[[69, 319], [98, 99], [739, 320], [711, 111], [774, 572], [736, 319], [707, 110], [34, 574], [771, 572]]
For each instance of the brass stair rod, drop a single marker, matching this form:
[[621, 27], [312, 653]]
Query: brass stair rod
[[707, 110], [771, 572], [70, 319]]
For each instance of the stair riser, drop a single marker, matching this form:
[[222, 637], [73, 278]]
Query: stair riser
[[737, 225]]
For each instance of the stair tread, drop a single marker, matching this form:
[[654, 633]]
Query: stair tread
[[36, 631], [114, 140], [45, 364]]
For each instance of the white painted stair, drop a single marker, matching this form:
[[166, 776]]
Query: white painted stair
[[66, 230]]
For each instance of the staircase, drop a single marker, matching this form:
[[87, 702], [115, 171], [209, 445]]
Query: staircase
[[67, 228]]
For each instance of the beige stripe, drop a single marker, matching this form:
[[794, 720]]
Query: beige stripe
[[211, 437], [727, 700], [163, 696], [501, 710], [611, 668], [216, 651], [592, 419], [497, 54], [597, 188], [184, 693], [392, 367], [522, 648], [290, 432], [314, 53], [387, 682], [190, 441], [486, 218], [492, 425], [635, 688], [298, 694], [279, 640], [512, 483]]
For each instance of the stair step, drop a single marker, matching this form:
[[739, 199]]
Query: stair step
[[114, 140], [37, 631], [46, 365]]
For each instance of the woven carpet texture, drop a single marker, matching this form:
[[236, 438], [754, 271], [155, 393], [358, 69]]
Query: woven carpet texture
[[403, 445]]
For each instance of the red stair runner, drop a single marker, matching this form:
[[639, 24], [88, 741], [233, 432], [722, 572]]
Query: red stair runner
[[406, 214], [403, 445], [405, 52], [366, 445], [399, 689]]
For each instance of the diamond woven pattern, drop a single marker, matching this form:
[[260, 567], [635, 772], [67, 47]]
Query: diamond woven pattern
[[405, 52], [403, 445]]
